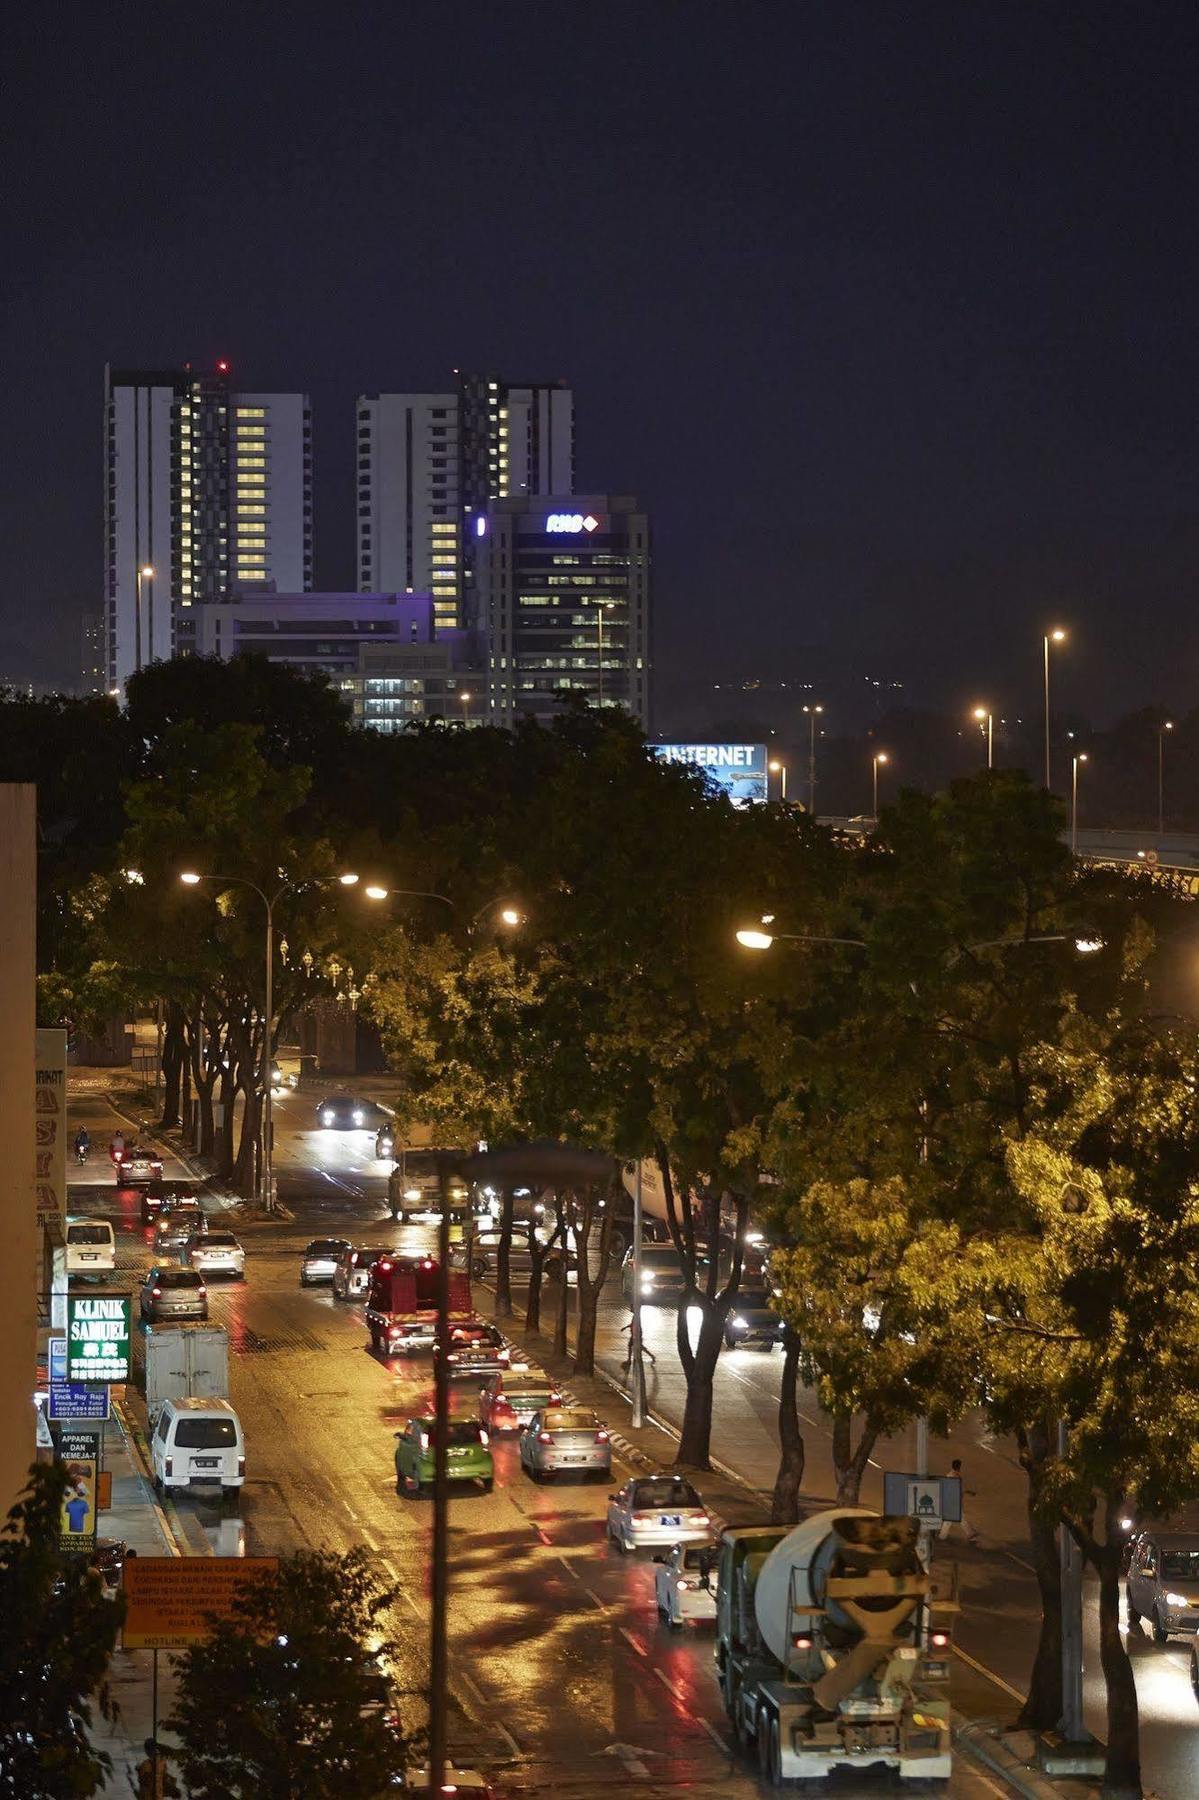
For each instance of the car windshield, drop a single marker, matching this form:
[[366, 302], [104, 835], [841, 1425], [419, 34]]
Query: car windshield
[[205, 1434], [325, 1247], [663, 1262], [219, 1239], [571, 1419], [459, 1432], [699, 1559], [1180, 1565], [178, 1278], [535, 1397], [664, 1490], [88, 1234]]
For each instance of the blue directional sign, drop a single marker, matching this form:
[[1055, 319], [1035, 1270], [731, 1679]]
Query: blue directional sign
[[74, 1399]]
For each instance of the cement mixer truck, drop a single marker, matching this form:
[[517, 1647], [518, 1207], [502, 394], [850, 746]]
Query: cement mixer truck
[[832, 1648]]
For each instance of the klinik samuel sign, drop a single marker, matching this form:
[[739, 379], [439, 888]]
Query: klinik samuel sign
[[98, 1337]]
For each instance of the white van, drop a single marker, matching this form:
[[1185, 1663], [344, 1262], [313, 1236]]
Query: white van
[[91, 1247], [198, 1440]]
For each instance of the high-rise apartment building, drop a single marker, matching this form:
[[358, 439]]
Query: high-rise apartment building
[[205, 488], [565, 585], [430, 464], [93, 655]]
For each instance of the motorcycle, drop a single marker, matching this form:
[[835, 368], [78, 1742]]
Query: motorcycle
[[82, 1152]]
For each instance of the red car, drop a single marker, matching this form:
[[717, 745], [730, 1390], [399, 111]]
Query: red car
[[509, 1399]]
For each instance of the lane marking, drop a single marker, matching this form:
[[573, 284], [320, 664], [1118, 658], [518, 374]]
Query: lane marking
[[472, 1687], [638, 1647], [982, 1669], [595, 1599], [368, 1539], [1004, 1793], [670, 1686], [511, 1742], [719, 1741], [570, 1570], [391, 1570]]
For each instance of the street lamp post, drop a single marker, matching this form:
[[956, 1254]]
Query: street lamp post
[[466, 700], [879, 757], [1056, 636], [779, 769], [1166, 725], [983, 715], [812, 711], [145, 573], [509, 916], [1079, 757]]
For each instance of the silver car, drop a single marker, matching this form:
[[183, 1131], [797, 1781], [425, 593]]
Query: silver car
[[319, 1261], [352, 1276], [174, 1294], [216, 1253], [566, 1440], [1163, 1583], [652, 1510]]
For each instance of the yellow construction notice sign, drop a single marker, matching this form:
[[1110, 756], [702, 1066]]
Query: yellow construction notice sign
[[172, 1601]]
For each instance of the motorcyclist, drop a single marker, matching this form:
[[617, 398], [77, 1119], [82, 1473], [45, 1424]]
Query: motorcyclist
[[83, 1143], [117, 1147]]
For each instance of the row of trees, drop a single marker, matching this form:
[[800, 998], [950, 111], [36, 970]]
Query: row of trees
[[971, 1141]]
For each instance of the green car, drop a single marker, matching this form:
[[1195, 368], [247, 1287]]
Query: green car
[[469, 1458]]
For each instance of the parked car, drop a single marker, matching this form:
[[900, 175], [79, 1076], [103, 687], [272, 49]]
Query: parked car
[[169, 1293], [216, 1253], [137, 1167], [468, 1456], [481, 1257], [565, 1440], [508, 1400], [351, 1276], [346, 1112], [198, 1441], [91, 1247], [476, 1349], [685, 1583], [319, 1261], [1163, 1583], [652, 1510]]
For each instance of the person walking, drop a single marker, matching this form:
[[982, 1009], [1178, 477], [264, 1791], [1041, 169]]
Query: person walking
[[964, 1524], [154, 1779], [646, 1352]]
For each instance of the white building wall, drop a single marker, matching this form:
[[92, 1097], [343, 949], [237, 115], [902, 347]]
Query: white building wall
[[139, 511]]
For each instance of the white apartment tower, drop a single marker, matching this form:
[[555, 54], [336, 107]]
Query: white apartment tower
[[429, 466], [206, 488]]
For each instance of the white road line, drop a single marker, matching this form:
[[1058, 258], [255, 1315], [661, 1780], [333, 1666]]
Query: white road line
[[1004, 1793], [507, 1736], [982, 1669], [391, 1570], [640, 1648], [669, 1684], [570, 1569], [594, 1598], [406, 1597], [472, 1687], [716, 1737], [368, 1539]]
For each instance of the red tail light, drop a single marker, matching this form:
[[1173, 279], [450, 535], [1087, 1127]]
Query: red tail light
[[940, 1639], [156, 1293], [601, 1437], [169, 1465], [502, 1410], [241, 1465], [544, 1437], [703, 1519], [554, 1400], [803, 1643]]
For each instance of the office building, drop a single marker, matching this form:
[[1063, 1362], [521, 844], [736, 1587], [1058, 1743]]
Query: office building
[[205, 487], [410, 684], [93, 655], [311, 633], [430, 464], [565, 588]]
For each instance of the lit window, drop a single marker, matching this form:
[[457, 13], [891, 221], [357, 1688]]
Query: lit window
[[250, 412], [251, 511], [251, 462]]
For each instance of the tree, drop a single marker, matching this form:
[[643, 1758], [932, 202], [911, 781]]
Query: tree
[[59, 1633], [288, 1699]]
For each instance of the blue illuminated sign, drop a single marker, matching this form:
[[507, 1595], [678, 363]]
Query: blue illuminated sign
[[480, 526], [738, 770], [73, 1399], [571, 522]]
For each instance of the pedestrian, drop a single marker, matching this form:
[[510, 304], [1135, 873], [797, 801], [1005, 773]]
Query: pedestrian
[[965, 1524], [154, 1779], [627, 1364]]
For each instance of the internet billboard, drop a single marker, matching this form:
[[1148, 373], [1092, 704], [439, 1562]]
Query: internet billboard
[[738, 770]]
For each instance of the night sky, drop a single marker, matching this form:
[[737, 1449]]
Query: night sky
[[888, 312]]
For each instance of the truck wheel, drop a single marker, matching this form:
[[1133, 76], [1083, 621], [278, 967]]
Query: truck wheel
[[764, 1745], [775, 1771], [489, 1484]]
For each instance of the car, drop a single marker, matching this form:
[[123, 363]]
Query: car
[[346, 1112], [198, 1440], [351, 1277], [91, 1247], [481, 1257], [468, 1456], [753, 1324], [565, 1440], [137, 1167], [457, 1781], [385, 1143], [661, 1274], [319, 1261], [153, 1199], [168, 1293], [476, 1349], [1163, 1583], [179, 1219], [652, 1510], [508, 1401], [216, 1253], [685, 1583]]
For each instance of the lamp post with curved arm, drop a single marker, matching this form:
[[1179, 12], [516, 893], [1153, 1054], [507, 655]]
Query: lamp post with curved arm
[[189, 877], [509, 916]]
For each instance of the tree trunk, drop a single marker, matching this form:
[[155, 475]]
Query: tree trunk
[[245, 1168], [503, 1259], [695, 1438], [563, 1296], [784, 1504], [538, 1252], [1043, 1707], [224, 1135], [849, 1465], [172, 1065], [185, 1092], [590, 1286], [1122, 1770]]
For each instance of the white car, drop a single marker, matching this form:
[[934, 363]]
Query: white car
[[685, 1583], [91, 1247], [319, 1261], [198, 1440], [655, 1510], [216, 1253]]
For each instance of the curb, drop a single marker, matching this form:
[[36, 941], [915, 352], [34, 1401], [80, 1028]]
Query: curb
[[187, 1157], [982, 1741]]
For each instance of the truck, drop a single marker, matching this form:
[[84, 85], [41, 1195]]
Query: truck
[[832, 1648], [401, 1303], [185, 1362]]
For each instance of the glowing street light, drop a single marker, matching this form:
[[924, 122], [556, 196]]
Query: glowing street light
[[779, 768], [145, 573], [1166, 725], [1079, 757], [983, 715], [1054, 636], [753, 939], [813, 712], [877, 761]]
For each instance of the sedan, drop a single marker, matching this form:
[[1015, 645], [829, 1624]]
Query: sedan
[[753, 1325], [477, 1350], [566, 1439], [319, 1260], [352, 1276], [174, 1294], [468, 1457], [508, 1401], [217, 1253], [346, 1112], [652, 1510], [136, 1167], [685, 1583], [178, 1221]]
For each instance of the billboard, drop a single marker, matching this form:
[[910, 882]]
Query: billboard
[[171, 1602], [738, 770], [98, 1337], [79, 1452], [50, 1103]]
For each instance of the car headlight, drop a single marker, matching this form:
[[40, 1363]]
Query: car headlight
[[1177, 1600], [647, 1279], [739, 1324], [359, 1118], [327, 1118]]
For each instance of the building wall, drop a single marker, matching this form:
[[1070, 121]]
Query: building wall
[[20, 1273], [408, 511], [321, 632]]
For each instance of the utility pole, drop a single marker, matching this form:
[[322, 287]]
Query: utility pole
[[812, 712], [438, 1623], [636, 1356]]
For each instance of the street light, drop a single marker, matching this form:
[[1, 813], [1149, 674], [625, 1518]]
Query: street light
[[983, 716], [812, 712], [1166, 725], [466, 700], [779, 768], [879, 758], [145, 573], [1056, 636], [190, 878], [509, 915], [1079, 757]]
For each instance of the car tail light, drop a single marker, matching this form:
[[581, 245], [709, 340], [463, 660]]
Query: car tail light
[[156, 1293], [601, 1437], [504, 1356], [803, 1643], [554, 1400], [544, 1437], [703, 1519], [645, 1515], [682, 1582], [939, 1639], [241, 1465], [169, 1465]]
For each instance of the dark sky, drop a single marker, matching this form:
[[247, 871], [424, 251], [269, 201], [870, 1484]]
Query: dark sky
[[888, 312]]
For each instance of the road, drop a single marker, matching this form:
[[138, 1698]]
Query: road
[[563, 1677]]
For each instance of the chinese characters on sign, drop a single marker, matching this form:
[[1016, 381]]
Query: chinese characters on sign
[[98, 1337], [50, 1104], [171, 1602]]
